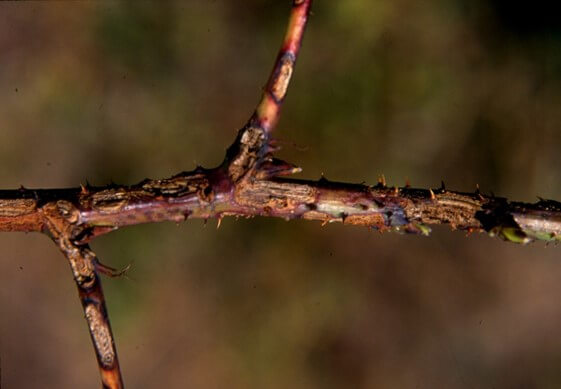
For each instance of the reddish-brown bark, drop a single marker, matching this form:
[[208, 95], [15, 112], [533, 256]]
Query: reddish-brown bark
[[249, 183]]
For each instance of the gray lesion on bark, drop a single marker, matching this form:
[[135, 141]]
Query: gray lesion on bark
[[17, 207], [281, 77], [101, 335], [246, 152], [178, 185], [445, 207], [275, 196]]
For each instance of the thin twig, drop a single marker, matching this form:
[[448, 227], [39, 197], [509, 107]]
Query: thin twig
[[60, 220], [267, 113]]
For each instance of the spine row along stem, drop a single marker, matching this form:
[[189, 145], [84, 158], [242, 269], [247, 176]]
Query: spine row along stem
[[250, 183]]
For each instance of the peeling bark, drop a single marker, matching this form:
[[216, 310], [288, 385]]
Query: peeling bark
[[249, 183]]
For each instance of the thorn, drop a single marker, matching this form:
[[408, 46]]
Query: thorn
[[395, 191], [323, 179], [407, 183], [83, 190], [432, 195], [272, 147], [109, 271], [323, 223], [204, 222], [272, 167], [442, 186], [219, 222], [22, 188], [478, 193], [382, 181]]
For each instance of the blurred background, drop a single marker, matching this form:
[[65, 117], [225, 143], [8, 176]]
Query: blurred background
[[465, 91]]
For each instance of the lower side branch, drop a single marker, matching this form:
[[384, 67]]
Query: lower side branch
[[83, 264], [97, 318]]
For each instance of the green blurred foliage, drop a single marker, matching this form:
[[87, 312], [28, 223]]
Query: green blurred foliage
[[462, 91]]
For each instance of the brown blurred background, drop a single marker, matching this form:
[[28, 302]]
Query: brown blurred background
[[461, 90]]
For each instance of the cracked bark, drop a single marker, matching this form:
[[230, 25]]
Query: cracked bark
[[249, 183]]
